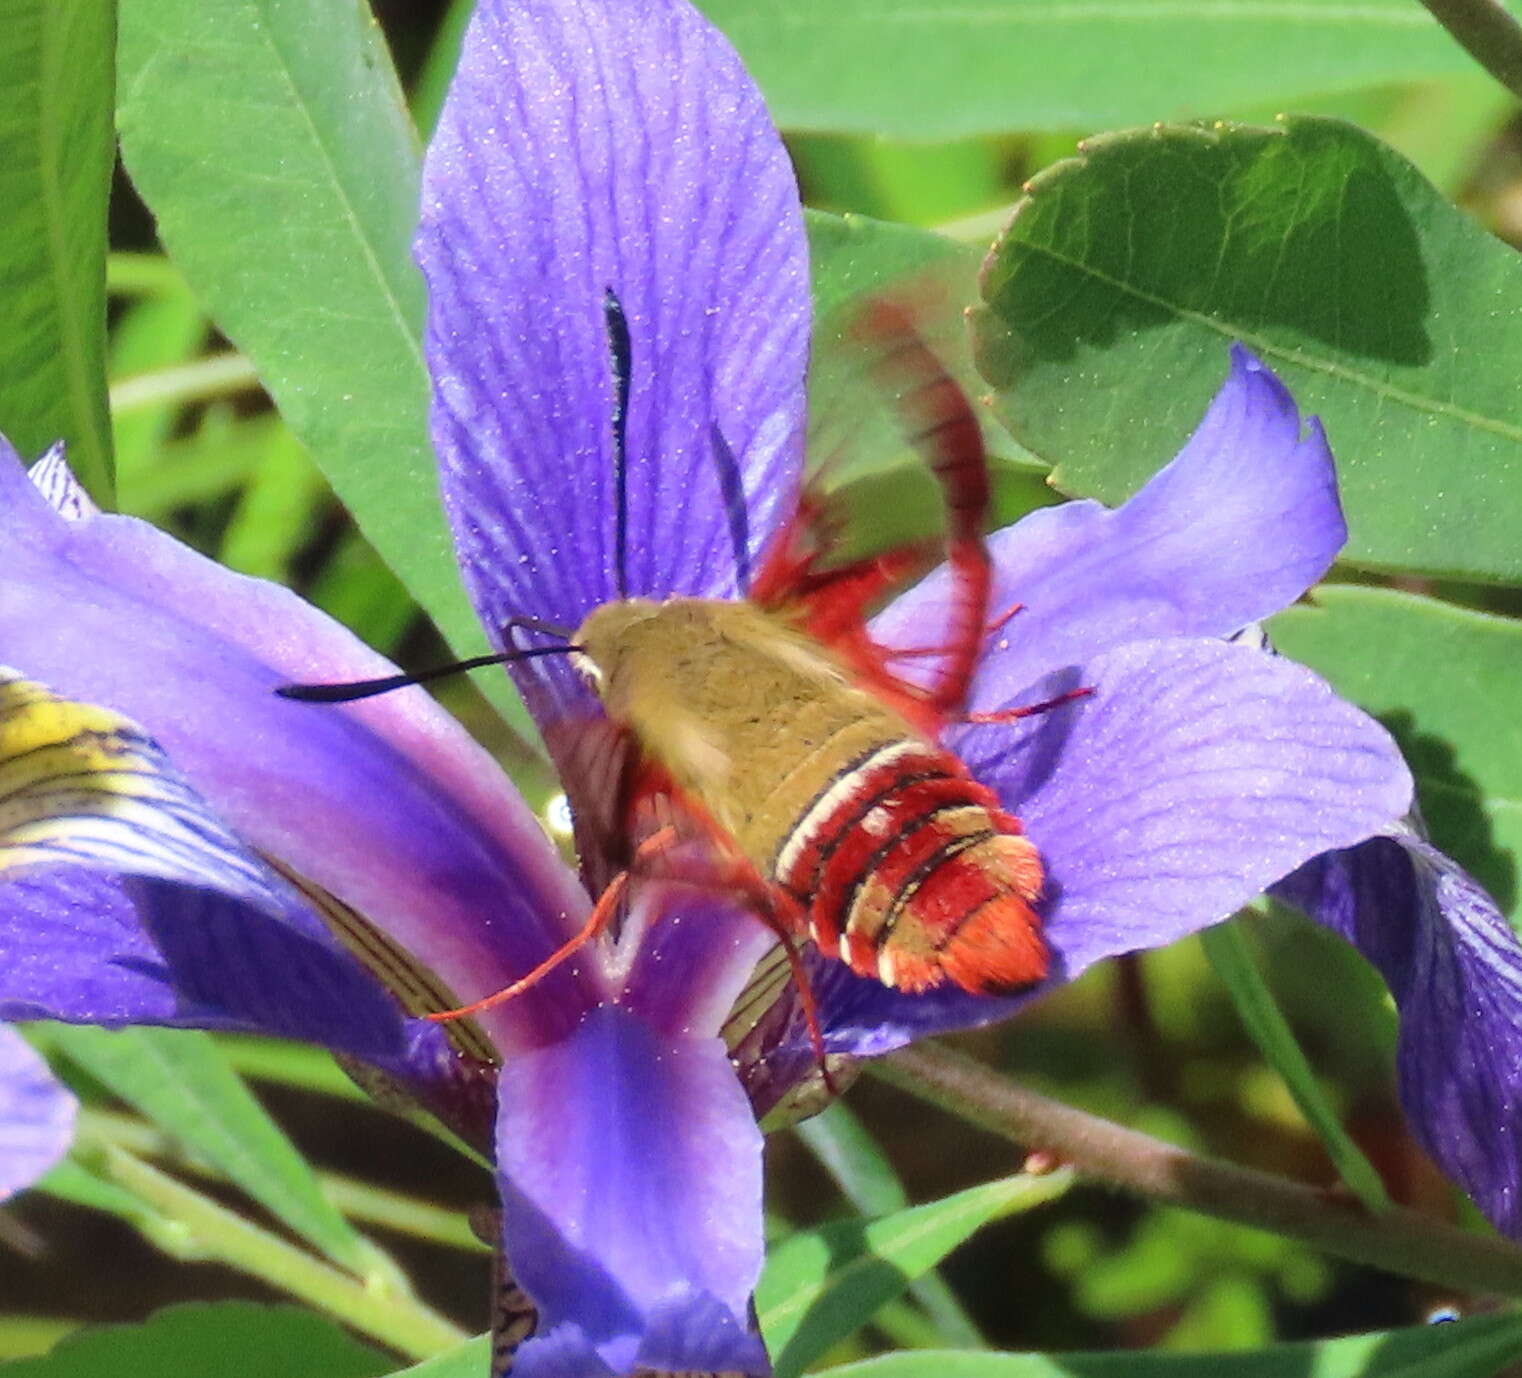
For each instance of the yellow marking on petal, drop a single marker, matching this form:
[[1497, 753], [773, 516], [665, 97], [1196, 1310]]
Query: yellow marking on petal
[[81, 784], [417, 989]]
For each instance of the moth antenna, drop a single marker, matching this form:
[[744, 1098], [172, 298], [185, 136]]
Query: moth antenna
[[369, 688], [620, 354], [732, 487]]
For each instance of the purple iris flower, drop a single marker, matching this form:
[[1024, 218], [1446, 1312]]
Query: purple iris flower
[[619, 146]]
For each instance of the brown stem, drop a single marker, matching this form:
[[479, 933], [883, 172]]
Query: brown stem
[[1488, 33], [1398, 1241]]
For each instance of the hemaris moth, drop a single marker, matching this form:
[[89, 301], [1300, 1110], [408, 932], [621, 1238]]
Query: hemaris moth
[[776, 757]]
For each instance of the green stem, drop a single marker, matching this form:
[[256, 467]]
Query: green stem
[[370, 1205], [216, 1232], [1229, 954], [193, 382], [142, 275], [1398, 1241], [1488, 33]]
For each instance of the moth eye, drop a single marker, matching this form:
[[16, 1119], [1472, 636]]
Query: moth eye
[[588, 669]]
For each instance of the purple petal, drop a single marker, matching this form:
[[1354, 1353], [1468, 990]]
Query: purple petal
[[691, 959], [388, 804], [1242, 522], [1454, 966], [631, 1192], [586, 147], [90, 948], [36, 1116], [1196, 775]]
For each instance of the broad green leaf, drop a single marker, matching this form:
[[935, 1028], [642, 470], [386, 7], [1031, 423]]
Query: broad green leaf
[[228, 1339], [1125, 273], [181, 1081], [1476, 1348], [56, 156], [270, 140], [1444, 680], [861, 1169], [1230, 954], [918, 70], [820, 1285]]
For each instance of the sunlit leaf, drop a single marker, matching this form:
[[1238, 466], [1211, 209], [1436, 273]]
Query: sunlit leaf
[[55, 176], [920, 70], [1398, 655], [820, 1285], [1126, 272]]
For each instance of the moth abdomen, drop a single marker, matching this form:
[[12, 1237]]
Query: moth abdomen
[[911, 872]]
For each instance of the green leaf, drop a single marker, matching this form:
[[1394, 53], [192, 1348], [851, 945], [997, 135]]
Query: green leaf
[[1125, 272], [161, 330], [860, 1167], [1395, 654], [820, 1285], [468, 1360], [1464, 1349], [1227, 948], [56, 154], [275, 511], [270, 140], [918, 70], [229, 1339], [851, 429], [181, 1081]]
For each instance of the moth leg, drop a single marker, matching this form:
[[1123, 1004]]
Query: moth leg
[[1028, 710], [597, 921]]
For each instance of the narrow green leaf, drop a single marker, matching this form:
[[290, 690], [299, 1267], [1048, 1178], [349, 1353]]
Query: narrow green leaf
[[858, 1164], [70, 1181], [918, 70], [161, 330], [181, 1081], [1476, 1348], [438, 71], [1231, 957], [1125, 273], [275, 511], [822, 1284], [854, 1159], [56, 153], [468, 1360], [288, 1064], [270, 140], [1395, 654], [228, 1339]]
